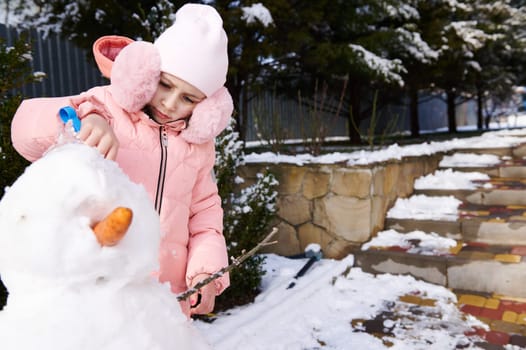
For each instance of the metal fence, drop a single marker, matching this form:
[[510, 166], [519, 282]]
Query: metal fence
[[68, 68]]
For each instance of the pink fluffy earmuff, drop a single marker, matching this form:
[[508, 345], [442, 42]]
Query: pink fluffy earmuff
[[134, 68]]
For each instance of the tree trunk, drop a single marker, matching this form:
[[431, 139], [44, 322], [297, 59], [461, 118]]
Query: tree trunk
[[451, 115], [413, 112], [480, 110], [235, 92], [354, 115]]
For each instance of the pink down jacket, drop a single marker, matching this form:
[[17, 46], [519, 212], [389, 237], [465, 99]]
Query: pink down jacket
[[175, 168]]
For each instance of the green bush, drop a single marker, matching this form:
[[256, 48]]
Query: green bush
[[248, 212]]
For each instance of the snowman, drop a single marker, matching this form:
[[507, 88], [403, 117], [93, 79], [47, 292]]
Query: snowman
[[70, 288]]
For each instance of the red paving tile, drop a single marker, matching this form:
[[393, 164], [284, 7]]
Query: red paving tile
[[520, 250], [498, 338], [472, 310], [491, 313]]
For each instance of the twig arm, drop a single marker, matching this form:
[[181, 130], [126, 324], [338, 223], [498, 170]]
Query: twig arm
[[235, 262]]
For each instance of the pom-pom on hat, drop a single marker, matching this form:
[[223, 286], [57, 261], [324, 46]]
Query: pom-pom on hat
[[194, 48]]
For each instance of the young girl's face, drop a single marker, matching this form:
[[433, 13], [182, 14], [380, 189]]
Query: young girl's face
[[174, 101]]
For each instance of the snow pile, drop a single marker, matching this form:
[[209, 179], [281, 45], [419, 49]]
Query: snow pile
[[450, 180], [421, 207], [329, 307], [65, 290], [416, 242], [469, 160]]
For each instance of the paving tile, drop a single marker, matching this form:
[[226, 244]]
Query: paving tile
[[396, 248], [475, 255], [492, 303], [509, 316], [454, 250], [470, 309], [471, 299], [521, 319], [508, 258], [520, 250], [411, 299], [494, 314], [518, 340], [489, 346], [506, 327], [509, 298], [498, 338], [428, 302]]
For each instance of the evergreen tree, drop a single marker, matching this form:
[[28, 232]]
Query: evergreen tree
[[248, 213], [15, 71]]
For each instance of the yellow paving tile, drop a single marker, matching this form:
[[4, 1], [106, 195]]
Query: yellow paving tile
[[471, 299], [411, 299], [454, 250], [428, 302], [495, 220], [492, 304], [509, 258], [506, 327], [510, 298], [510, 316], [521, 319], [476, 255]]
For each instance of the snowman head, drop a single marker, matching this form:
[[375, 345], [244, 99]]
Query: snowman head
[[47, 215]]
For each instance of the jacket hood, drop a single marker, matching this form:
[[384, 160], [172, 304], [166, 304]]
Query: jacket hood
[[134, 69]]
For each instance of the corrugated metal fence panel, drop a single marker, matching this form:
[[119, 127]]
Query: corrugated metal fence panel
[[68, 69], [271, 116]]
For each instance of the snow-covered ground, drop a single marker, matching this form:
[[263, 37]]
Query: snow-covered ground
[[318, 312], [329, 307]]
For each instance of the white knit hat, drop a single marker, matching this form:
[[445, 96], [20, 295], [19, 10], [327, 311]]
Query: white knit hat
[[194, 48]]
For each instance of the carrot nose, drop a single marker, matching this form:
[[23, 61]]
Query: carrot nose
[[113, 227]]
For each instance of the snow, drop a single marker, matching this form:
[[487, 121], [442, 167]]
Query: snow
[[65, 290], [422, 207], [257, 12], [429, 243], [321, 308], [64, 286], [450, 179], [496, 139]]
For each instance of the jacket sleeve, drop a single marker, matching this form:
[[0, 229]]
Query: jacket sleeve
[[207, 251], [36, 125]]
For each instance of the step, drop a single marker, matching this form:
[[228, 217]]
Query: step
[[512, 151], [494, 191], [495, 224], [465, 265], [510, 168]]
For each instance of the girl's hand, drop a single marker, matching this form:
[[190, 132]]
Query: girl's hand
[[208, 296], [95, 131]]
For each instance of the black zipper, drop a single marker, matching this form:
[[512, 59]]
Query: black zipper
[[163, 141]]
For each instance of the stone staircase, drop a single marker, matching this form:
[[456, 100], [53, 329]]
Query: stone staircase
[[490, 233]]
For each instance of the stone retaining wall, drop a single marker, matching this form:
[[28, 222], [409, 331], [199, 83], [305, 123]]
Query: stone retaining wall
[[335, 205]]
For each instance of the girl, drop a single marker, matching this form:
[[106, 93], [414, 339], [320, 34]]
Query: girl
[[158, 119]]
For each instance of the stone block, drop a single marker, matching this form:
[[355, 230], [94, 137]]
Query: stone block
[[391, 180], [352, 182], [290, 179], [344, 217], [309, 233], [316, 182], [287, 241], [294, 209]]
